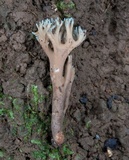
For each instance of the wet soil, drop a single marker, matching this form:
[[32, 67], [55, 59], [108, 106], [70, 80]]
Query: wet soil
[[102, 74]]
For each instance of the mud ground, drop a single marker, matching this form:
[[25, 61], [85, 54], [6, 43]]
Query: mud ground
[[102, 74]]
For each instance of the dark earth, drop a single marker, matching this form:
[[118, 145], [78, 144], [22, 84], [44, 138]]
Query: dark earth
[[99, 102]]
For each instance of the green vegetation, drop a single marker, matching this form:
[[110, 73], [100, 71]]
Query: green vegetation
[[46, 152], [88, 124], [63, 6], [1, 153], [27, 122], [36, 97]]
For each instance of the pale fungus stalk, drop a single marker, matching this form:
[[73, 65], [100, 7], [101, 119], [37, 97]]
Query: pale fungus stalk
[[58, 38]]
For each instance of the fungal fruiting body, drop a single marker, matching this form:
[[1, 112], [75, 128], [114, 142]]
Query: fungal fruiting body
[[58, 38]]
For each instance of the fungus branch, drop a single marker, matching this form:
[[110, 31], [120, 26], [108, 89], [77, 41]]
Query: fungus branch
[[58, 38]]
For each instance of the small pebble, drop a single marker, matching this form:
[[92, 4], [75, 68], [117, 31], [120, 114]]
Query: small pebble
[[83, 99], [111, 143], [93, 31], [110, 99], [97, 136], [109, 152]]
